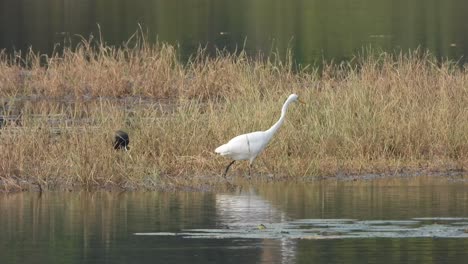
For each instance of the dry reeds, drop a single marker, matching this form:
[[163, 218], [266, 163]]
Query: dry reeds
[[375, 114]]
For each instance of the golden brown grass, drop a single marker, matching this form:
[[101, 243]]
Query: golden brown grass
[[375, 114]]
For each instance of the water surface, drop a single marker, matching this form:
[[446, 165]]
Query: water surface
[[101, 227], [315, 29]]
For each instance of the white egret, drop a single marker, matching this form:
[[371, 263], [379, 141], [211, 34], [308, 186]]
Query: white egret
[[249, 146]]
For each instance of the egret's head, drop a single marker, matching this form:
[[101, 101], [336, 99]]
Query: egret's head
[[295, 98]]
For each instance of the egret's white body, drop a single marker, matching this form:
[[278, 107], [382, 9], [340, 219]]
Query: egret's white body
[[249, 146]]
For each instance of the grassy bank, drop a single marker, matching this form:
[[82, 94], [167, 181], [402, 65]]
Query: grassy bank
[[379, 113]]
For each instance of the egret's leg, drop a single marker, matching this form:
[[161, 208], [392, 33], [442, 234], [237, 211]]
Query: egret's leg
[[250, 166], [227, 168]]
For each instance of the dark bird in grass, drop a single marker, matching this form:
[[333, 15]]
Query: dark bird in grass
[[121, 140]]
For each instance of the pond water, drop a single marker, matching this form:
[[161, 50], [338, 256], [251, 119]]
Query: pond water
[[380, 221], [314, 30]]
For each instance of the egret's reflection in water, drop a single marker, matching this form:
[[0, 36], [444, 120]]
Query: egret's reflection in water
[[249, 209]]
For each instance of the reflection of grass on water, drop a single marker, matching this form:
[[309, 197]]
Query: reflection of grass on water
[[379, 114]]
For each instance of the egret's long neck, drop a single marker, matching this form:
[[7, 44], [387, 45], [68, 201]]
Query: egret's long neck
[[280, 121]]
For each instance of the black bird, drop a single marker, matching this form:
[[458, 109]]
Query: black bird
[[121, 140]]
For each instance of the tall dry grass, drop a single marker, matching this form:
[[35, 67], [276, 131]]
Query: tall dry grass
[[377, 113]]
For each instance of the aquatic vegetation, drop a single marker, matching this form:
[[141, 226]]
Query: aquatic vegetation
[[332, 229], [382, 113]]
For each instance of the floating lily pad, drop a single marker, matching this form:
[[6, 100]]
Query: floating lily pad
[[441, 219], [332, 229], [390, 222], [322, 221]]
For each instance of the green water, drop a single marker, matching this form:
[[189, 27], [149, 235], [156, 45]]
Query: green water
[[101, 227], [314, 29]]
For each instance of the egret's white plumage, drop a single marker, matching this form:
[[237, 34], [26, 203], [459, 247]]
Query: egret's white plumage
[[249, 146]]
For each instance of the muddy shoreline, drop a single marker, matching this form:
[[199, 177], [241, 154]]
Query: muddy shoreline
[[217, 183]]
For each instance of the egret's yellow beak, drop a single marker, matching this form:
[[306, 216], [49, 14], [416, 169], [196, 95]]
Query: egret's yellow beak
[[300, 101]]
